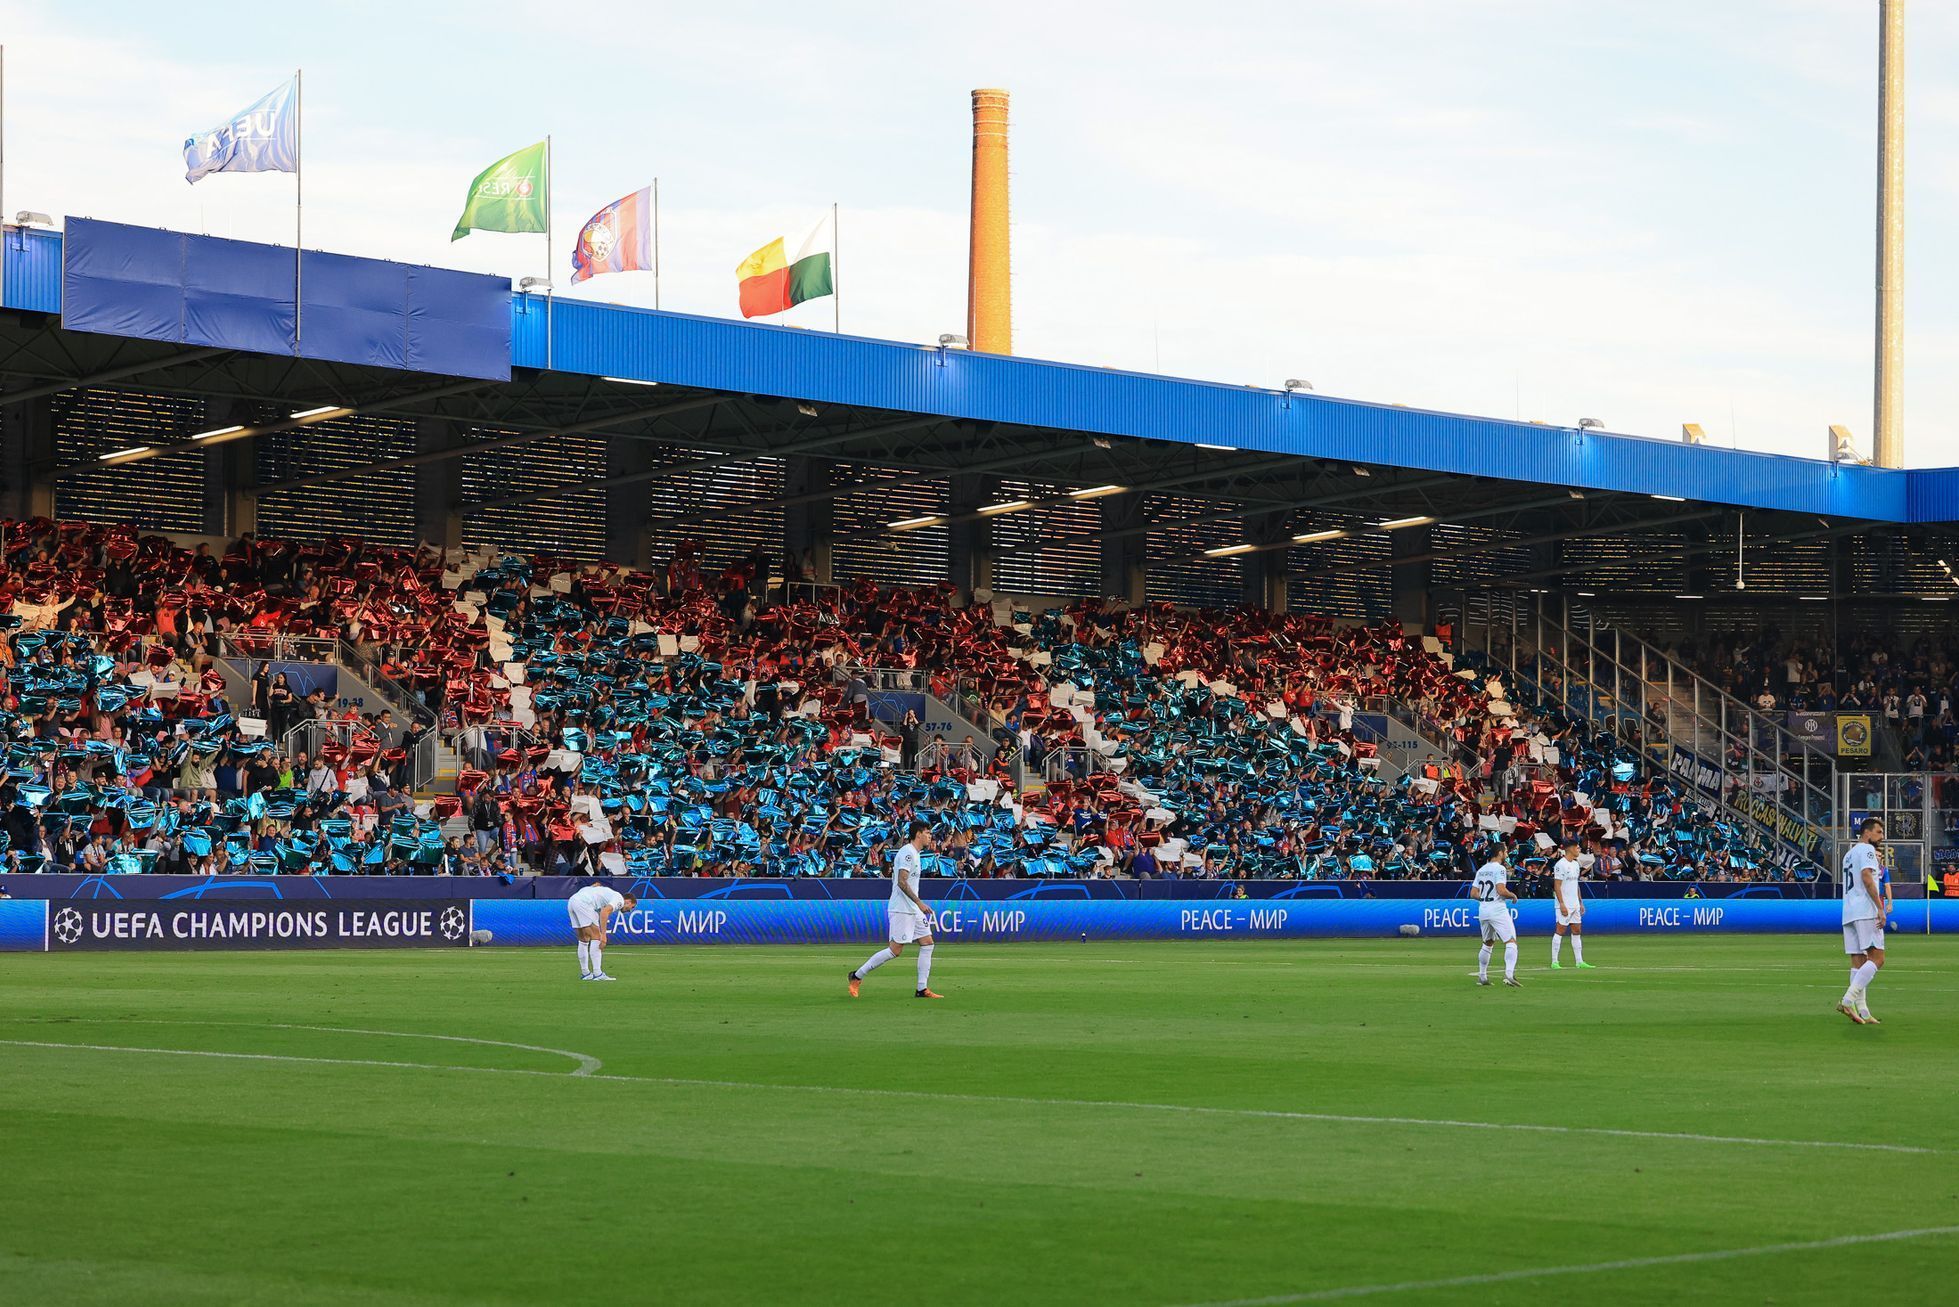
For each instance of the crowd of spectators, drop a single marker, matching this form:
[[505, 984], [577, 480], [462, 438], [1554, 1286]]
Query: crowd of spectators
[[1908, 685], [682, 722]]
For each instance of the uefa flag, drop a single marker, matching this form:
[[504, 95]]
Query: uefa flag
[[618, 238], [262, 138], [509, 195]]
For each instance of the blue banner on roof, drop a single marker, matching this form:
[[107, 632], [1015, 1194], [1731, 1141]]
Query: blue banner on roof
[[202, 290]]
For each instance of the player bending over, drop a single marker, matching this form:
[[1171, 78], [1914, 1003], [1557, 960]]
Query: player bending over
[[591, 913], [911, 916], [1866, 906], [1491, 890], [1571, 907]]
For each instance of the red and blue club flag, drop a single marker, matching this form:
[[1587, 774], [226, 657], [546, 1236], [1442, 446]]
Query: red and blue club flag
[[618, 238]]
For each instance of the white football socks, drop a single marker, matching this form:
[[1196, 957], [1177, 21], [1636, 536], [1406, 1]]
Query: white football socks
[[598, 963], [1557, 947], [1510, 960], [1483, 963], [877, 960], [1577, 948], [584, 957], [924, 965], [1861, 979]]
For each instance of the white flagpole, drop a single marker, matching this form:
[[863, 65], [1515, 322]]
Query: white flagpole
[[656, 242], [836, 269], [550, 261], [298, 197]]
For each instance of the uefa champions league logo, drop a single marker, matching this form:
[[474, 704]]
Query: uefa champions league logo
[[453, 923], [68, 926]]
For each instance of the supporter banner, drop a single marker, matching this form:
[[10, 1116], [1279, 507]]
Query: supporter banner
[[1789, 826], [315, 889], [1817, 728], [1692, 768], [1854, 734], [172, 925], [514, 922]]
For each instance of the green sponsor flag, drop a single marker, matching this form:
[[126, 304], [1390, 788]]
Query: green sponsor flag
[[508, 195]]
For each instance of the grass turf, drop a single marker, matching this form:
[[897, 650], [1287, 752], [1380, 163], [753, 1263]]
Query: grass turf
[[754, 1136]]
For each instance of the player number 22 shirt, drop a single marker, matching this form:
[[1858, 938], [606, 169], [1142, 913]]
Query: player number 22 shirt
[[1483, 889]]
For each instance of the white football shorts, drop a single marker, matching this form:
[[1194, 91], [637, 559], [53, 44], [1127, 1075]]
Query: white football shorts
[[908, 926], [1863, 936], [1498, 928], [582, 916]]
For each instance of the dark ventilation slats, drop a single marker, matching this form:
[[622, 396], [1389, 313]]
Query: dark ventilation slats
[[158, 494], [727, 488], [1069, 534], [375, 506], [566, 525], [920, 557]]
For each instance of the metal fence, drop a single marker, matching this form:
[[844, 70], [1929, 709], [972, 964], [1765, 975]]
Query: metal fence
[[1768, 780]]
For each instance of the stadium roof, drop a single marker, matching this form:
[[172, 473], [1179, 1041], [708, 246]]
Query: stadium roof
[[608, 340], [1262, 464]]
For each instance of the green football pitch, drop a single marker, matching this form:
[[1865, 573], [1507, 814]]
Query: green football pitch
[[1122, 1123]]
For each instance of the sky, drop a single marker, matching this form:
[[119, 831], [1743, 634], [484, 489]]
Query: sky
[[1647, 212]]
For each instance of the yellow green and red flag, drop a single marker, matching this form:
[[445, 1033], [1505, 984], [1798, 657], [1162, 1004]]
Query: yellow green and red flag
[[771, 281]]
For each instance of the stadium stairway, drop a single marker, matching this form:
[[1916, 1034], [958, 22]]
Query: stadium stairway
[[1736, 757], [448, 766]]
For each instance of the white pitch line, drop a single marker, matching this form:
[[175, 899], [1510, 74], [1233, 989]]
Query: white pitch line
[[1591, 1268], [927, 1095], [587, 1064], [274, 1057]]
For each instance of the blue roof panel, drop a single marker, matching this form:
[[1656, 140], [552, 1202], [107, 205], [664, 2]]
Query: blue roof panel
[[752, 358]]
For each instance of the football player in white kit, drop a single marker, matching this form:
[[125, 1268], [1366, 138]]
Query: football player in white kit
[[910, 915], [1865, 908], [1570, 904], [591, 912], [1491, 890]]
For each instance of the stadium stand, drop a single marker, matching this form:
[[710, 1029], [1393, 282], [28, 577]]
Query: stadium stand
[[1908, 684], [615, 721]]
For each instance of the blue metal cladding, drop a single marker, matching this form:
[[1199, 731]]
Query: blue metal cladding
[[33, 268], [1932, 495], [467, 325], [719, 354], [199, 290]]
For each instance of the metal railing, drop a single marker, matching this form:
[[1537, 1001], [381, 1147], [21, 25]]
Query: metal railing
[[1433, 730], [958, 691], [949, 757], [420, 735], [1920, 812], [481, 756], [1747, 763], [799, 591], [1072, 763]]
